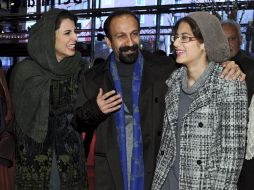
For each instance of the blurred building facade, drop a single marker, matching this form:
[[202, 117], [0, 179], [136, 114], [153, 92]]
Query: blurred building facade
[[156, 18]]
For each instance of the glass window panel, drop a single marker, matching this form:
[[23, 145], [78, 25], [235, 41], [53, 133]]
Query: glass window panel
[[107, 3], [166, 19], [148, 20], [140, 2], [71, 4], [124, 3], [142, 19], [147, 42], [100, 50], [84, 34], [62, 4], [167, 2], [165, 43], [6, 62], [178, 1]]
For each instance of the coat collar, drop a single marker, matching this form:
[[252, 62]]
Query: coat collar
[[204, 96], [104, 68]]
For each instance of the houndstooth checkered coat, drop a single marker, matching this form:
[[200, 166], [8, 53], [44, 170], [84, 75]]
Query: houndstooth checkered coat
[[213, 133]]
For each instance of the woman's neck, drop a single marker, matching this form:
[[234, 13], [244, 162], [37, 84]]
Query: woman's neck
[[194, 71]]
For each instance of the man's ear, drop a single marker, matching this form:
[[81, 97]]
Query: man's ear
[[108, 42]]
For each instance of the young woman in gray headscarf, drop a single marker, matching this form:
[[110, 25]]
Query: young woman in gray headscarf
[[205, 121], [50, 153]]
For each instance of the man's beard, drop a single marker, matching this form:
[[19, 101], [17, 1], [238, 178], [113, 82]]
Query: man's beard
[[128, 58]]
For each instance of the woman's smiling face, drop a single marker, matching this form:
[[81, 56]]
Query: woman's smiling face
[[66, 39], [188, 49]]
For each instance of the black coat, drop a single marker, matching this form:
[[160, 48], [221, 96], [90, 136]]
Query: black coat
[[151, 106], [246, 63]]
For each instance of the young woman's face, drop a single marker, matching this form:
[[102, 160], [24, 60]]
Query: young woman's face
[[66, 39], [188, 49]]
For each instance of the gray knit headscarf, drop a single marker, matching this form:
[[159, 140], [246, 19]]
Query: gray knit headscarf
[[216, 44]]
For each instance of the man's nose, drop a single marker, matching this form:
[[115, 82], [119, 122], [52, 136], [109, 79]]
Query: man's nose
[[130, 41]]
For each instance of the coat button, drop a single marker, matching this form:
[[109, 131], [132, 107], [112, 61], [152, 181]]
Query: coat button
[[200, 124], [156, 99], [199, 162], [162, 152]]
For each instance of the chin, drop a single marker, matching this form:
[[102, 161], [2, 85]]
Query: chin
[[179, 60], [70, 54]]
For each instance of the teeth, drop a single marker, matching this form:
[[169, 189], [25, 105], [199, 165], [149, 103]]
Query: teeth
[[71, 46]]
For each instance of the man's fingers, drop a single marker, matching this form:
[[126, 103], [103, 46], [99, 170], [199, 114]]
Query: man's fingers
[[111, 104], [224, 72], [108, 102], [242, 77], [232, 72], [227, 67], [102, 96], [100, 93], [110, 110], [108, 94], [237, 74], [112, 98]]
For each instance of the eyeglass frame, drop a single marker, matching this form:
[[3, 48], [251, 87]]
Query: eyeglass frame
[[173, 38]]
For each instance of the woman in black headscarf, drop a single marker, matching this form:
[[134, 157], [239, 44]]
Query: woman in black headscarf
[[50, 154]]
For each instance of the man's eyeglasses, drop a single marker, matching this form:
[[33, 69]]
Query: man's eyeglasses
[[183, 38]]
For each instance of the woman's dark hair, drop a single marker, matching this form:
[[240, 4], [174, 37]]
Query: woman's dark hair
[[117, 13], [193, 25], [65, 15]]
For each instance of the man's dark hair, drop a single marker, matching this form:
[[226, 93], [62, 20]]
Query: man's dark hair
[[117, 13], [65, 15]]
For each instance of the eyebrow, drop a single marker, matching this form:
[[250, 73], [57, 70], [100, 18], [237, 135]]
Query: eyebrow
[[69, 30], [125, 33], [185, 33]]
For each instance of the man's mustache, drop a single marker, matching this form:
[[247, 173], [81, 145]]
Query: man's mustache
[[128, 48]]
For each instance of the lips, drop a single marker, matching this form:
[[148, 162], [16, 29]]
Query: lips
[[179, 52]]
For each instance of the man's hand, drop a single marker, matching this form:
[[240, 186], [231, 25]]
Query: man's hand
[[108, 102], [232, 71]]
